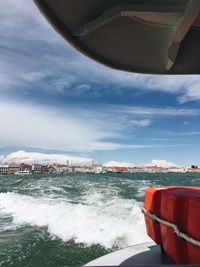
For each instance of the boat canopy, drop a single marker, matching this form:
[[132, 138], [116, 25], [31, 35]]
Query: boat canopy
[[145, 36]]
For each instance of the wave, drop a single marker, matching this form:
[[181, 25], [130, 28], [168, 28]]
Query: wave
[[99, 220]]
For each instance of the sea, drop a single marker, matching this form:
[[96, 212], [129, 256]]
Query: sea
[[70, 219]]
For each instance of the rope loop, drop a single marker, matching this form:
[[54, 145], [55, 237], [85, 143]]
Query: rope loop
[[177, 231]]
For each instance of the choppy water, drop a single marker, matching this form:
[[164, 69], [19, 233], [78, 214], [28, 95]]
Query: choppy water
[[70, 219]]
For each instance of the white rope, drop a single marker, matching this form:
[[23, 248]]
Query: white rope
[[173, 226]]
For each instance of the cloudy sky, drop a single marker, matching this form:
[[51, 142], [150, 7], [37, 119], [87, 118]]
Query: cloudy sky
[[54, 100]]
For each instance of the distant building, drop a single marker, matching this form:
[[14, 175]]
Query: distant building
[[176, 169], [193, 170], [25, 167], [61, 168], [14, 167], [51, 169], [4, 169], [84, 169], [98, 169], [37, 168], [116, 169], [45, 169]]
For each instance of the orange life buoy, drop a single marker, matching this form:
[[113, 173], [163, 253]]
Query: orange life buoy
[[172, 220]]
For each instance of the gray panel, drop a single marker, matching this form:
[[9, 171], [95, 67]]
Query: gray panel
[[111, 32]]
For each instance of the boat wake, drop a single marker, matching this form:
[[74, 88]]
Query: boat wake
[[110, 221]]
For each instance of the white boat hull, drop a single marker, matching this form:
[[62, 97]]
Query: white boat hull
[[142, 254]]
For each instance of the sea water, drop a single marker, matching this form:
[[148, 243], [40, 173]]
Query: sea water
[[70, 219]]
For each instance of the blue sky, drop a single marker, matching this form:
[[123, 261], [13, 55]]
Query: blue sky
[[54, 100]]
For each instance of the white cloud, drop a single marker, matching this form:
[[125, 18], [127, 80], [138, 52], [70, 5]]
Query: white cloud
[[34, 76], [148, 111], [117, 164], [162, 163], [33, 157], [22, 20], [140, 123], [75, 129], [158, 163], [67, 130], [1, 158], [44, 158], [189, 133], [192, 93]]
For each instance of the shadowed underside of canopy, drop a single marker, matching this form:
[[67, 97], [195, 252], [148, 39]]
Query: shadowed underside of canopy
[[146, 36]]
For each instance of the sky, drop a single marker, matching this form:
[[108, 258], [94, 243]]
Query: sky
[[53, 100]]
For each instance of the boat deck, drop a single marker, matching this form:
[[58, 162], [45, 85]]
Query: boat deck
[[146, 254]]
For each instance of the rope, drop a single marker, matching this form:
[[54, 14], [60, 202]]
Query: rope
[[172, 226]]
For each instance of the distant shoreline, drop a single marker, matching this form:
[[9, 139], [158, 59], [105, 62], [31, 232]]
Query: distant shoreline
[[12, 168]]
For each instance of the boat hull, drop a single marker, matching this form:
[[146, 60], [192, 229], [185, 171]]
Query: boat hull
[[141, 254]]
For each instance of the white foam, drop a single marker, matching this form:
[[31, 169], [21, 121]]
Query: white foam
[[101, 220]]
